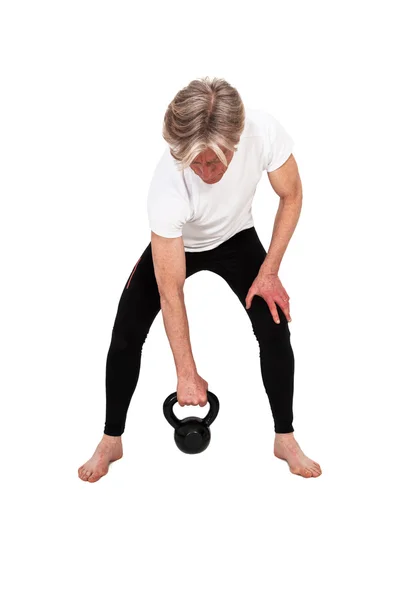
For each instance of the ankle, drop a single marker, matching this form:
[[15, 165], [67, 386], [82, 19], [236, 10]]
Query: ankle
[[284, 436], [111, 439]]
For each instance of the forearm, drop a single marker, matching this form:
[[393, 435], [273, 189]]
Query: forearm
[[177, 329], [285, 223]]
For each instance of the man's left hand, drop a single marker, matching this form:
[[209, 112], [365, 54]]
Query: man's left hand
[[270, 288]]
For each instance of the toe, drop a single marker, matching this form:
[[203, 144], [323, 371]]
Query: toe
[[302, 471], [96, 475], [82, 472]]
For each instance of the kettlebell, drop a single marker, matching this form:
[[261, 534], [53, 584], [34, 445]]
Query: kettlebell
[[192, 435]]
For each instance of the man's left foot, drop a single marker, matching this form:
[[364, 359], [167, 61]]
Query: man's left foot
[[286, 448]]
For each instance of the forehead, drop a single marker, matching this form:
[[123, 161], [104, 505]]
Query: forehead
[[208, 154]]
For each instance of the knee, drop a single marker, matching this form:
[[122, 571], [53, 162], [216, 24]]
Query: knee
[[124, 338], [266, 329]]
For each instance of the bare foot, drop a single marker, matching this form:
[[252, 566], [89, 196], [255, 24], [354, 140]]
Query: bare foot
[[108, 450], [286, 448]]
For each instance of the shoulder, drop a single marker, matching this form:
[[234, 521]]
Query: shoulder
[[167, 194], [167, 179], [263, 120], [260, 122]]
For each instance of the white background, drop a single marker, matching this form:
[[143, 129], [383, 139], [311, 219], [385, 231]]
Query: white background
[[84, 87]]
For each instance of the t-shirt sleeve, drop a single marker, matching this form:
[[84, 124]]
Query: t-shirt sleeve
[[278, 144], [167, 201], [169, 224]]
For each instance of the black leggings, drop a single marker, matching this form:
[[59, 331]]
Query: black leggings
[[238, 261]]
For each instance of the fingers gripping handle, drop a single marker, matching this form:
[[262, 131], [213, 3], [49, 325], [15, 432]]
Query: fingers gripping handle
[[173, 419], [214, 409]]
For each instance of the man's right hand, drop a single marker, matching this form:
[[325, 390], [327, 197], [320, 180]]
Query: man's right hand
[[192, 389]]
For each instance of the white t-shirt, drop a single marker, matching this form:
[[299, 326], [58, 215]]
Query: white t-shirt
[[180, 203]]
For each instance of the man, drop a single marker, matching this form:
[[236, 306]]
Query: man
[[200, 216]]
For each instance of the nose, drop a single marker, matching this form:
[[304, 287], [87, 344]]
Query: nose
[[208, 172]]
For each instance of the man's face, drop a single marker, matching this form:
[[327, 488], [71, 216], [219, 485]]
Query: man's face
[[208, 166]]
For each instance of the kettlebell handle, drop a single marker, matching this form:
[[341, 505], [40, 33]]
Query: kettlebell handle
[[173, 419]]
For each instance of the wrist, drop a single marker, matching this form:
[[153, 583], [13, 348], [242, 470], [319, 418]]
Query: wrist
[[268, 267], [268, 270], [186, 372]]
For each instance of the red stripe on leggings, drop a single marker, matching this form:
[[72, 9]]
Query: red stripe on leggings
[[134, 269]]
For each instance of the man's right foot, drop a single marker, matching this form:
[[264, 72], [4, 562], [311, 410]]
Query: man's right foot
[[287, 448], [108, 450]]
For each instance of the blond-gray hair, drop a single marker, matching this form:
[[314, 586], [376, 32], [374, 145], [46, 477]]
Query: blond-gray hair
[[206, 114]]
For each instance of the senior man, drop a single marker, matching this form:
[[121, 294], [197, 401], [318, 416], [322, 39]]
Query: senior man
[[199, 208]]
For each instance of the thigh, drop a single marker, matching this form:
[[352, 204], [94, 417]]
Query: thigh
[[140, 301], [238, 261]]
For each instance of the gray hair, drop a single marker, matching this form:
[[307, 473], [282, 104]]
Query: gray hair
[[206, 114]]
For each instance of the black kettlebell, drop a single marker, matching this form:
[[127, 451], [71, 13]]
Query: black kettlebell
[[192, 435]]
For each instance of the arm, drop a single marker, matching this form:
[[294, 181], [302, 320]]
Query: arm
[[170, 271], [287, 184]]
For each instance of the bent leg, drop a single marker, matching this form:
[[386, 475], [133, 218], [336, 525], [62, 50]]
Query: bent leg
[[238, 261], [137, 309]]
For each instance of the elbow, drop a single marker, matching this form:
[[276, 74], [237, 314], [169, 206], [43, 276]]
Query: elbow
[[293, 198]]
